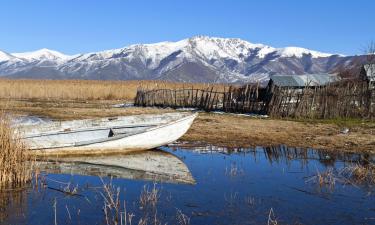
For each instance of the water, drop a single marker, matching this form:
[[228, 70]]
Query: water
[[229, 186]]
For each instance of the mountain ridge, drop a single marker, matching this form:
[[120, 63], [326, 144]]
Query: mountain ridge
[[196, 59]]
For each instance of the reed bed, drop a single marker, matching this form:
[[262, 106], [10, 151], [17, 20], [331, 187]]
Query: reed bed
[[84, 89], [15, 169]]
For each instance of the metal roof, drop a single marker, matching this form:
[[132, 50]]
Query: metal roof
[[370, 71], [303, 80]]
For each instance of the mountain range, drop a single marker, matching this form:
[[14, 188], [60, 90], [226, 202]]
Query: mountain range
[[196, 59]]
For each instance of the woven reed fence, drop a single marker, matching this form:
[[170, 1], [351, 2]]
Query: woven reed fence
[[339, 100]]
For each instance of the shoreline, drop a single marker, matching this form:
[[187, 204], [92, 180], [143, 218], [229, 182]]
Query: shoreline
[[221, 129]]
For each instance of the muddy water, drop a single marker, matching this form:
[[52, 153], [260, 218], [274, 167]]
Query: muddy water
[[224, 186]]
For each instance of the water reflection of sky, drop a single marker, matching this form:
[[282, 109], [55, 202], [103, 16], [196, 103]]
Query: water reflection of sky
[[231, 188]]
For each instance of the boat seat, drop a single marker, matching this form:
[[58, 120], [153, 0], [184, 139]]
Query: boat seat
[[111, 133]]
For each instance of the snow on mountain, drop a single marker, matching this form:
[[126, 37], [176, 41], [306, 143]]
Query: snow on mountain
[[5, 56], [202, 46], [299, 52], [42, 54], [196, 59]]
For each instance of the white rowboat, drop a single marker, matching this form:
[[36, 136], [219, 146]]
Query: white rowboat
[[127, 133]]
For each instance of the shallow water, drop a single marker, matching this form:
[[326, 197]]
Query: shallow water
[[232, 186]]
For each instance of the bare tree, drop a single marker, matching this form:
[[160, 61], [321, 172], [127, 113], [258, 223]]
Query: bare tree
[[370, 52]]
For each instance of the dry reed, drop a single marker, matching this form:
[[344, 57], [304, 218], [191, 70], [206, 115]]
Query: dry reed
[[82, 89], [116, 213], [112, 207], [359, 174], [15, 170], [182, 219], [271, 218], [326, 178], [149, 198], [353, 174]]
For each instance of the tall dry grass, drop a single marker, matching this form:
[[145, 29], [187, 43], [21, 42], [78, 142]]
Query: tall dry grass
[[359, 174], [15, 169], [84, 89]]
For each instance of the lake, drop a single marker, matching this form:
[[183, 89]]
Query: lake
[[199, 184]]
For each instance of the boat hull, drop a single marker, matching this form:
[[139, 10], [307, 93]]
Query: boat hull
[[150, 138]]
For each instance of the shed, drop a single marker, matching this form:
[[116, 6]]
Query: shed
[[302, 81]]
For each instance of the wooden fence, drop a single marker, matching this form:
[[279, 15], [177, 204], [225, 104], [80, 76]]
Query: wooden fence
[[339, 100], [196, 98]]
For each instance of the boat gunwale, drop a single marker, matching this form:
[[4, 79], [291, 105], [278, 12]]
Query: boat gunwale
[[86, 129], [121, 118]]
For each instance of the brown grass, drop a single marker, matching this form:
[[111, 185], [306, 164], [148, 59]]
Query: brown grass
[[327, 179], [359, 174], [14, 167], [83, 89], [353, 174], [69, 110], [241, 131]]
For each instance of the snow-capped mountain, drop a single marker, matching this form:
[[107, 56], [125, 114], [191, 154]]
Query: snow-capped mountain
[[5, 56], [197, 59], [42, 54]]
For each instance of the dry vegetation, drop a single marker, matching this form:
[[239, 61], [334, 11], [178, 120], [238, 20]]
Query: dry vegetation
[[352, 174], [14, 167], [326, 178], [115, 211], [360, 174], [82, 89], [243, 131]]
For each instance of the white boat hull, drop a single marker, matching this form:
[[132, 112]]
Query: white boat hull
[[86, 141]]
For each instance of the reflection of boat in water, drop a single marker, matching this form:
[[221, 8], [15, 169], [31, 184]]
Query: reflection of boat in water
[[122, 133], [148, 165]]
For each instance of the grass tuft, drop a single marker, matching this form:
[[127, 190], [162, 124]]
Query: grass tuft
[[359, 174], [15, 170]]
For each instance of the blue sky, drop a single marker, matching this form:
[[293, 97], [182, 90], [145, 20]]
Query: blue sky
[[73, 26]]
